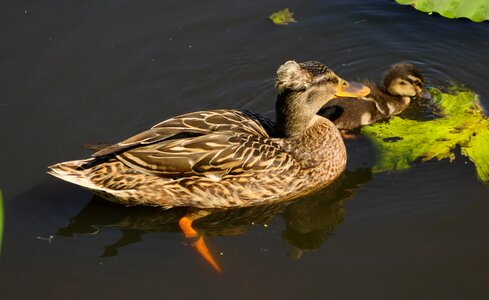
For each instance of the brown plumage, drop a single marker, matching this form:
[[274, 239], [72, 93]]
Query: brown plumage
[[226, 158], [399, 84]]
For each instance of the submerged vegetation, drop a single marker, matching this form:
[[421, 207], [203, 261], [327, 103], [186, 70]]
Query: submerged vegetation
[[475, 10], [462, 124]]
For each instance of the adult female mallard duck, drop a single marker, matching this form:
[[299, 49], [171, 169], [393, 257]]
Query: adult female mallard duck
[[399, 84], [225, 158]]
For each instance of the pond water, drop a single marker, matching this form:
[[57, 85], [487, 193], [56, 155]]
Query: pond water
[[75, 72]]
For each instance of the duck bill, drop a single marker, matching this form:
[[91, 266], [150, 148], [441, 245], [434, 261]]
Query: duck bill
[[352, 90]]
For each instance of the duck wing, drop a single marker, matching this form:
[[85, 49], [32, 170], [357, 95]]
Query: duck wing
[[189, 125], [213, 155], [265, 122]]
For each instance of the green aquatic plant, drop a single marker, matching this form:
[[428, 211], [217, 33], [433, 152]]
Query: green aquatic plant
[[282, 17], [462, 124], [475, 10], [1, 221]]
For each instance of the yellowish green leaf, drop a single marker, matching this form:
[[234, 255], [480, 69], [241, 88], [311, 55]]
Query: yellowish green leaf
[[282, 17]]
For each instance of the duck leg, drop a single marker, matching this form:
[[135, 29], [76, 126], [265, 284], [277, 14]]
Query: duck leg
[[185, 224]]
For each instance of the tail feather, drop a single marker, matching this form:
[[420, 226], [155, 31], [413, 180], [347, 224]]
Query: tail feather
[[116, 182], [72, 171]]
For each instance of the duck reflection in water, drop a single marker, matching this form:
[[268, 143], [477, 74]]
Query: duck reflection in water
[[308, 221]]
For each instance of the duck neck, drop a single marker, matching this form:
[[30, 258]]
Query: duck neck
[[313, 141], [399, 98], [294, 117]]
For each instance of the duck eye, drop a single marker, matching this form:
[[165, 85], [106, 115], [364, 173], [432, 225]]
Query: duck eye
[[402, 83]]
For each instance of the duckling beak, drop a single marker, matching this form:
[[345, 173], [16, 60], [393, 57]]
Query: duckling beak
[[425, 94], [351, 89]]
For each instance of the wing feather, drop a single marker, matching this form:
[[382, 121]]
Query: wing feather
[[190, 125], [207, 143], [230, 154]]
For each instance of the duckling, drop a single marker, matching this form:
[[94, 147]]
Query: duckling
[[399, 84], [225, 158]]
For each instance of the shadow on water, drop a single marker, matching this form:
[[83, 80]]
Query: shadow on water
[[309, 220]]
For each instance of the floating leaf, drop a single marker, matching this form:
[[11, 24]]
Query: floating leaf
[[282, 17], [475, 10], [400, 142]]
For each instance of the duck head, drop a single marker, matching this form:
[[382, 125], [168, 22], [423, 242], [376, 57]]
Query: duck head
[[303, 89], [403, 79]]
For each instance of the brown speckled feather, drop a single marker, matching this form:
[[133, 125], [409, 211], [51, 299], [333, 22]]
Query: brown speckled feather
[[215, 154], [189, 125]]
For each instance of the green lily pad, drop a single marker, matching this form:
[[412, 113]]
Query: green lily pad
[[400, 142], [475, 10], [282, 17]]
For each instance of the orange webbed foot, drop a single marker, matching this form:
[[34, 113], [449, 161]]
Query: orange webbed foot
[[204, 251], [185, 224]]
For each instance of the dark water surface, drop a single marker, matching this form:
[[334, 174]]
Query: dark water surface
[[73, 72]]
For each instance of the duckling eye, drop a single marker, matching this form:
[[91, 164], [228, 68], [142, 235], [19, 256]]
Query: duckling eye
[[402, 83]]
